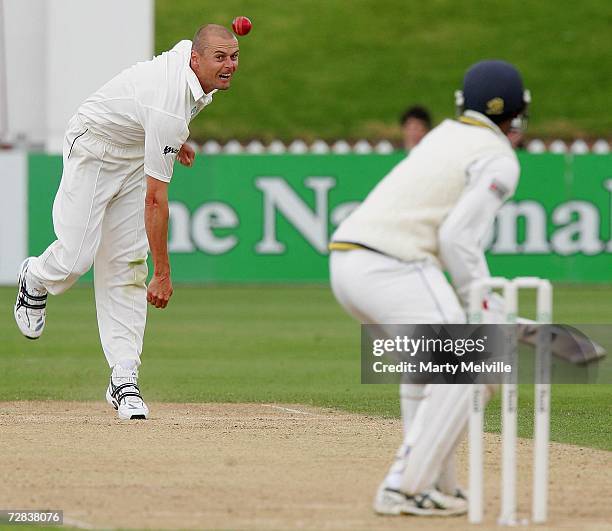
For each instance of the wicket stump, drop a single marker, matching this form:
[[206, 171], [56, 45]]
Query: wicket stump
[[508, 514]]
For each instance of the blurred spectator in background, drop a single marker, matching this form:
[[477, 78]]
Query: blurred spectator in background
[[415, 123]]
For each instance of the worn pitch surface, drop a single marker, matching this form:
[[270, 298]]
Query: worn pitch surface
[[246, 466]]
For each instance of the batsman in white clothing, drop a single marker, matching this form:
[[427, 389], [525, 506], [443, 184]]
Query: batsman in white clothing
[[431, 214], [112, 202]]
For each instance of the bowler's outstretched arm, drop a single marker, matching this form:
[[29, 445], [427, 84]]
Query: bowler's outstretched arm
[[156, 223]]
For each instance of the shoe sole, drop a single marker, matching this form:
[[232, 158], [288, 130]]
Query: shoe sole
[[135, 416], [435, 512], [416, 511]]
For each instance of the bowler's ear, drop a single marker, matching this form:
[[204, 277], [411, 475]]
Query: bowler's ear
[[195, 58]]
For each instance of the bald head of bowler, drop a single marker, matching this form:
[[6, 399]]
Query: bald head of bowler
[[214, 57]]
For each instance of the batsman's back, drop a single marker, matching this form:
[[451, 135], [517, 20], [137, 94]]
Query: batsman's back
[[402, 214]]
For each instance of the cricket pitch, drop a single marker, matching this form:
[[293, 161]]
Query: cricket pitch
[[249, 466]]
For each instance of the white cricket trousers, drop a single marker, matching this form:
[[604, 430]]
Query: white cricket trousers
[[379, 289], [98, 217]]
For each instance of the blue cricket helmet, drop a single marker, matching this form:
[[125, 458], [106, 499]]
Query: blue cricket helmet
[[495, 89]]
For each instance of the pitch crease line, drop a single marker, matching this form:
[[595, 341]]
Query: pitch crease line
[[288, 409]]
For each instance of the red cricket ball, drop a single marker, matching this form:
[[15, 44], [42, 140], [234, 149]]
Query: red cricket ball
[[241, 25]]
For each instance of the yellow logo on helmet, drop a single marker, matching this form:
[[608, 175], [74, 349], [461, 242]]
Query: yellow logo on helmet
[[495, 106]]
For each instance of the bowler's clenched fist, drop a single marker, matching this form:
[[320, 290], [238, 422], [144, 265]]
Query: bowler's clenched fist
[[159, 291]]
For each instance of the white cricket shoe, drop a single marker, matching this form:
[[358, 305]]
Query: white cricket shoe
[[458, 492], [30, 306], [123, 394], [430, 503], [392, 502]]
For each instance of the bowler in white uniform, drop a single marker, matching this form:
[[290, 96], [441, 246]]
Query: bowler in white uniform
[[112, 202], [431, 214]]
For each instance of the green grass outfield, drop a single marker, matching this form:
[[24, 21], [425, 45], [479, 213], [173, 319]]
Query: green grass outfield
[[348, 68], [282, 344]]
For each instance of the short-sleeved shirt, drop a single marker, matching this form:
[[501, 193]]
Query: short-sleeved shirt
[[149, 104]]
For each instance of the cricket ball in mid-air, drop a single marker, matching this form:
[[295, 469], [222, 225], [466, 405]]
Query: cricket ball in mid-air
[[241, 25]]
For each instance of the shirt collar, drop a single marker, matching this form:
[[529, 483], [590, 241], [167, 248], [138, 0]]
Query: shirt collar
[[476, 118], [194, 84]]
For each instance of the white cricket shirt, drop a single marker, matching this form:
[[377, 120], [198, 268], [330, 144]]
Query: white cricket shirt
[[149, 104], [439, 202]]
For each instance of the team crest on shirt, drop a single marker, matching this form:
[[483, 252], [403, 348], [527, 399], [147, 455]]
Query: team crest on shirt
[[169, 149]]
